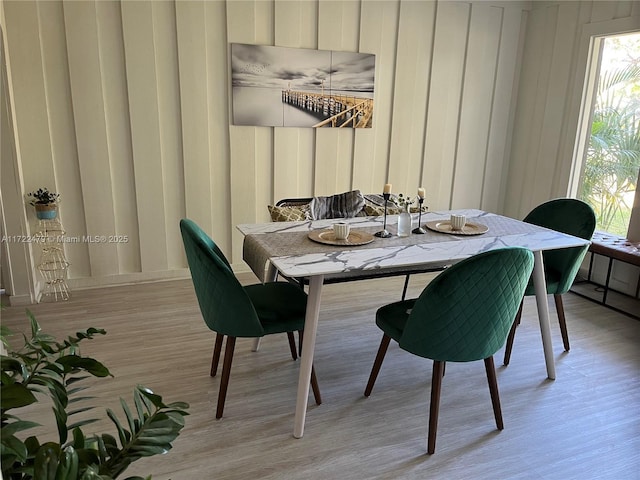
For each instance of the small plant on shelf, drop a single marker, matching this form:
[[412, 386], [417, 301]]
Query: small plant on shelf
[[45, 203], [46, 366], [43, 196]]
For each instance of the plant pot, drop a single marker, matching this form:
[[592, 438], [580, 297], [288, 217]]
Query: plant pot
[[47, 211]]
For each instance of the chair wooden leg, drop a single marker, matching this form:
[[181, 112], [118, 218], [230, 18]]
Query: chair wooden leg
[[292, 345], [493, 389], [406, 285], [226, 371], [436, 387], [382, 351], [563, 323], [512, 335], [217, 348], [314, 380], [300, 337], [315, 387]]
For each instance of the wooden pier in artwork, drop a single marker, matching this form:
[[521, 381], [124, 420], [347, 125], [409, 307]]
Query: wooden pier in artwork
[[336, 110]]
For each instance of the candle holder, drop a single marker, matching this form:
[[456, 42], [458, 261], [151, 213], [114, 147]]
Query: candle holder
[[419, 228], [384, 233]]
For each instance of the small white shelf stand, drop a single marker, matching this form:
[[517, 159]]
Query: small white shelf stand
[[53, 264]]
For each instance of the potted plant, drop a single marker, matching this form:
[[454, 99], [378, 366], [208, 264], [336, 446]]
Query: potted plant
[[45, 203], [43, 366]]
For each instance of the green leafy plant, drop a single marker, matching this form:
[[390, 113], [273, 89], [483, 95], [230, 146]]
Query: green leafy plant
[[45, 366], [43, 196]]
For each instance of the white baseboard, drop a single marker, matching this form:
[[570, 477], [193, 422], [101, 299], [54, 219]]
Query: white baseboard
[[18, 300], [125, 279], [116, 280], [138, 277]]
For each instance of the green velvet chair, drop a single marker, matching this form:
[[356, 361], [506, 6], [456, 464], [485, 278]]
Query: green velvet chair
[[463, 315], [231, 310], [570, 216]]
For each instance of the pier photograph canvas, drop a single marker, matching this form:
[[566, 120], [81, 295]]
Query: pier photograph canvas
[[299, 87]]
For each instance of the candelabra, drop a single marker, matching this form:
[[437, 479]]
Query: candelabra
[[419, 228], [384, 233]]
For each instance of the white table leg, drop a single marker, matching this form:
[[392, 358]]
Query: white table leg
[[543, 312], [272, 273], [308, 347]]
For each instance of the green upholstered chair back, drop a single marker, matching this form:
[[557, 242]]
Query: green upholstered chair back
[[225, 306], [570, 216], [466, 312]]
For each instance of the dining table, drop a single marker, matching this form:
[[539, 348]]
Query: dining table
[[297, 250]]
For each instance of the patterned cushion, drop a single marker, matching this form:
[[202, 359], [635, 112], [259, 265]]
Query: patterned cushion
[[373, 210], [289, 214], [375, 199], [342, 205], [378, 210], [417, 209]]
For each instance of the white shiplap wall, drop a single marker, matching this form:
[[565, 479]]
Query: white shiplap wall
[[123, 107], [550, 93]]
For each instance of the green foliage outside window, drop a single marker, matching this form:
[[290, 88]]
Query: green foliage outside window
[[613, 157]]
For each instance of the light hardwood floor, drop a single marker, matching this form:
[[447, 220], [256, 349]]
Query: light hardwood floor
[[583, 425]]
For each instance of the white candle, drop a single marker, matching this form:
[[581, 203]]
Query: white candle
[[421, 192], [387, 188]]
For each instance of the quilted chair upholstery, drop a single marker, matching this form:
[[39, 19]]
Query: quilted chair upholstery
[[231, 310], [570, 216], [463, 315]]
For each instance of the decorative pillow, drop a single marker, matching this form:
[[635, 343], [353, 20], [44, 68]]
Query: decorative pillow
[[342, 205], [289, 214], [378, 210], [425, 209], [374, 206], [377, 199]]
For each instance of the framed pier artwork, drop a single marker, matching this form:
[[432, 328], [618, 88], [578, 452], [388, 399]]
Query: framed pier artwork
[[298, 87]]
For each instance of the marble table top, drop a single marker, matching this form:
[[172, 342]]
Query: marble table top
[[288, 247]]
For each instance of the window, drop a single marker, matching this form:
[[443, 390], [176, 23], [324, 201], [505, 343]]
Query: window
[[611, 159]]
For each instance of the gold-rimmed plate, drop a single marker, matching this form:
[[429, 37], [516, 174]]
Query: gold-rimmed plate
[[444, 226], [327, 237]]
